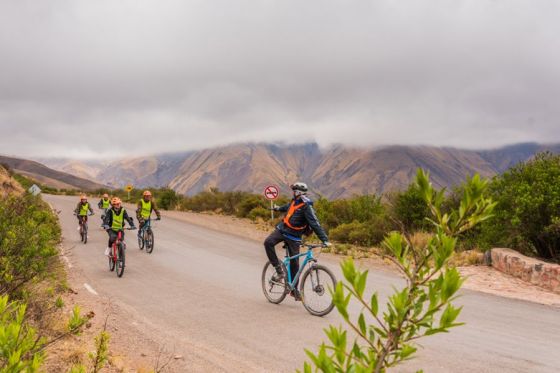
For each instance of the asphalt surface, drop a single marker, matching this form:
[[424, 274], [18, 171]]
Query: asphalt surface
[[201, 289]]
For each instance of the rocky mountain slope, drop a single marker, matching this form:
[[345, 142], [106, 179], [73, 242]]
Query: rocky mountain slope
[[8, 185], [48, 176], [338, 171]]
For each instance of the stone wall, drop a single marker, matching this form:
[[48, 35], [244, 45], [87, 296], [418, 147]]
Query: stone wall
[[537, 272]]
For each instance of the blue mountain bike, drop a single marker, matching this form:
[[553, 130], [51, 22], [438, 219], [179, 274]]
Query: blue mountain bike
[[146, 237], [315, 283]]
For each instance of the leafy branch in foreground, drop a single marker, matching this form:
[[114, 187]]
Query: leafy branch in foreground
[[422, 308]]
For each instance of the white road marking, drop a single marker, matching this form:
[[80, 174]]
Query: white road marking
[[90, 289]]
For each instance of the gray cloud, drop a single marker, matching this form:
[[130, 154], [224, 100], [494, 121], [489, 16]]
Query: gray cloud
[[106, 78]]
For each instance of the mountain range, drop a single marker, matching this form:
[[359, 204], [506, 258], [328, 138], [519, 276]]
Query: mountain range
[[335, 172]]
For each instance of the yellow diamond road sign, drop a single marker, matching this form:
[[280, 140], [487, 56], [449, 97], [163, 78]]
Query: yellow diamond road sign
[[128, 188]]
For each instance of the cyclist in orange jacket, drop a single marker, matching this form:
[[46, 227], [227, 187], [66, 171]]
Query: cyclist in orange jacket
[[300, 218]]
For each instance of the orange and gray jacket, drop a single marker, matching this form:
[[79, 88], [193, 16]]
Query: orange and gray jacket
[[140, 207], [300, 215]]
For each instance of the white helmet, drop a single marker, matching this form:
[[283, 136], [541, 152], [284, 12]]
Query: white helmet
[[299, 188]]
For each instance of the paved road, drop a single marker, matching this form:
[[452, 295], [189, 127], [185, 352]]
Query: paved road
[[202, 289]]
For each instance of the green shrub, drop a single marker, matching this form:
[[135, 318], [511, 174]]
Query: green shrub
[[528, 209], [364, 234], [29, 233], [409, 208], [166, 198], [20, 347], [259, 213]]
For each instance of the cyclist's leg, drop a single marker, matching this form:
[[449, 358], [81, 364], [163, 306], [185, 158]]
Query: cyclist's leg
[[269, 243], [141, 224], [112, 238]]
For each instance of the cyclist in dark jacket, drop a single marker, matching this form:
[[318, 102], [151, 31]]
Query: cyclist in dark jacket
[[300, 217], [114, 221]]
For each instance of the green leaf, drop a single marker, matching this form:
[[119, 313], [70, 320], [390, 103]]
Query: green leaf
[[374, 304], [362, 324]]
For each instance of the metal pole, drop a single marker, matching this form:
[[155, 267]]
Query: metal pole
[[129, 196], [271, 210]]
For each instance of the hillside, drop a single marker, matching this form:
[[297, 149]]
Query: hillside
[[8, 185], [338, 171], [48, 176]]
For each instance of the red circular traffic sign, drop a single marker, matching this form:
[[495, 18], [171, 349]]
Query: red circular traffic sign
[[271, 192]]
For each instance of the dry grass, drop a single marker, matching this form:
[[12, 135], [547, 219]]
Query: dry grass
[[467, 258]]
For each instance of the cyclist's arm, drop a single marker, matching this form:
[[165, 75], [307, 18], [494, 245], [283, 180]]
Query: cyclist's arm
[[108, 221], [139, 210], [284, 208], [77, 209], [313, 222], [128, 219], [154, 208], [90, 209], [100, 204]]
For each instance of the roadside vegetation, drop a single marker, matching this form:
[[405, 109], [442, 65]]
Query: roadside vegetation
[[527, 215], [33, 313]]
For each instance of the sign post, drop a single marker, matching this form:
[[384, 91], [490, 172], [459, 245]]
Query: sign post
[[128, 188], [271, 193]]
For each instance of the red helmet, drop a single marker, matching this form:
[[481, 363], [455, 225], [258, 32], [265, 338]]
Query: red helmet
[[147, 193]]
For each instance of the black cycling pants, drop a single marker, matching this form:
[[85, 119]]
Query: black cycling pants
[[293, 249]]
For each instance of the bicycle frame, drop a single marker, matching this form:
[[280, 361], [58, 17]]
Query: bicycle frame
[[308, 258], [117, 241], [147, 224]]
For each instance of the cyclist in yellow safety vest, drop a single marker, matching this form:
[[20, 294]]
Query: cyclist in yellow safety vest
[[104, 204], [114, 221], [144, 209], [300, 219], [81, 210]]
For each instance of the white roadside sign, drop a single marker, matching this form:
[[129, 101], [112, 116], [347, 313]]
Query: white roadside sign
[[35, 190]]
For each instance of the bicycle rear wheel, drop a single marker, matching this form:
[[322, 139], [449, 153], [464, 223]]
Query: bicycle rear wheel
[[274, 291], [149, 240], [120, 260], [315, 285]]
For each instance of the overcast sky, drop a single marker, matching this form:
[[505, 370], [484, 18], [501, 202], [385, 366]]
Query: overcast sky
[[111, 78]]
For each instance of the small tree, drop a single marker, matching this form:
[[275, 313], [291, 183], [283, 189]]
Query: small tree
[[422, 308]]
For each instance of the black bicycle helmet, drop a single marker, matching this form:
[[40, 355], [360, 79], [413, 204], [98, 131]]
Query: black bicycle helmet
[[299, 186]]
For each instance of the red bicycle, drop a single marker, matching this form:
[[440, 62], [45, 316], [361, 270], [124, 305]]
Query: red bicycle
[[117, 257]]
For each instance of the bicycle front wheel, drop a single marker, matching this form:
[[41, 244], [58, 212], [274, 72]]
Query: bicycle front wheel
[[149, 239], [120, 260], [112, 260], [84, 233], [141, 240], [315, 285], [274, 291]]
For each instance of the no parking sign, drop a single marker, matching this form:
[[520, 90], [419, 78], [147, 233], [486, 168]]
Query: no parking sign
[[271, 193]]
